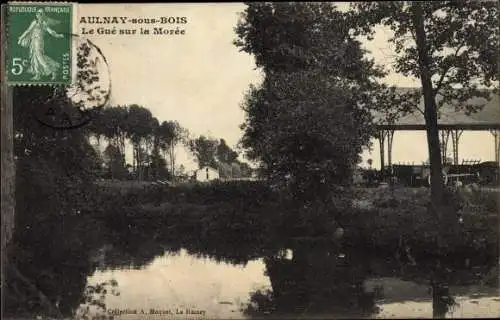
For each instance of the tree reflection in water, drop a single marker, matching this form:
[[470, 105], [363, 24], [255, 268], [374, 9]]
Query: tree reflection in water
[[442, 300], [314, 282]]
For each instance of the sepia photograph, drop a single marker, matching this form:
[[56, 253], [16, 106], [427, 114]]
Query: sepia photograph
[[250, 160]]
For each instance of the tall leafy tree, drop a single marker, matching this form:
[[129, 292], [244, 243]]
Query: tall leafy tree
[[225, 171], [246, 170], [171, 135], [139, 128], [166, 133], [204, 149], [308, 121], [54, 180], [113, 160], [452, 47], [224, 153], [112, 124]]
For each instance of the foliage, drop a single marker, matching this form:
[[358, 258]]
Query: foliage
[[95, 298], [217, 154], [113, 161], [461, 43], [171, 134], [55, 168], [54, 171], [153, 143], [307, 122], [289, 37], [224, 153], [402, 214], [204, 149], [452, 47]]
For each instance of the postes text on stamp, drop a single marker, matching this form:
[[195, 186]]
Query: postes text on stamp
[[39, 43]]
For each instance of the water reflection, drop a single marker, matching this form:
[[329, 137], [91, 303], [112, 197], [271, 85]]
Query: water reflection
[[415, 300], [314, 282], [247, 277], [304, 281], [180, 282]]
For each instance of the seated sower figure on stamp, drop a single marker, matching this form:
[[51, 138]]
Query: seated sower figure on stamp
[[33, 38]]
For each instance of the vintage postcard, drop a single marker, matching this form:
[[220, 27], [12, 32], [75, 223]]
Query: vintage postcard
[[275, 160]]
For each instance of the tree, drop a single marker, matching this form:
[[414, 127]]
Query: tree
[[113, 160], [54, 180], [224, 170], [246, 170], [224, 153], [235, 170], [112, 125], [297, 36], [171, 135], [139, 127], [307, 123], [157, 167], [33, 103], [204, 149], [452, 47]]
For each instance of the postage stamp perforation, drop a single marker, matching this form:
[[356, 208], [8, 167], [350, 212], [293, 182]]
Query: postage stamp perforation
[[5, 41], [42, 54]]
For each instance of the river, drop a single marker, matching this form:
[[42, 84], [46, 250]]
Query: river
[[184, 285]]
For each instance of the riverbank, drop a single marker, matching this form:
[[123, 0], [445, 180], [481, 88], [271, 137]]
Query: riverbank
[[238, 222], [250, 214]]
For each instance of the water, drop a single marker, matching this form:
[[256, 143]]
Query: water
[[183, 282], [407, 299], [232, 260], [180, 285]]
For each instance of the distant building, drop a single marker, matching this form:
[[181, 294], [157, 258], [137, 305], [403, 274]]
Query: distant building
[[206, 174]]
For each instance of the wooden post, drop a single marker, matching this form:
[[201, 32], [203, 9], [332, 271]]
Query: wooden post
[[381, 140], [390, 138], [455, 137], [445, 137], [497, 146], [496, 136], [8, 168]]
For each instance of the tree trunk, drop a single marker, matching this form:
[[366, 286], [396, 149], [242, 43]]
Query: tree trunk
[[430, 112], [135, 164], [441, 298], [437, 188], [123, 149], [172, 160], [8, 174], [139, 162]]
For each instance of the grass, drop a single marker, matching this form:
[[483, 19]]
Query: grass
[[250, 214], [239, 221], [391, 217]]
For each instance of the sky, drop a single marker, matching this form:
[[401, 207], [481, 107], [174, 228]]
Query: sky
[[200, 78]]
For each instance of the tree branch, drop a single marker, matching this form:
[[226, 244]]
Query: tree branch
[[445, 71], [420, 110]]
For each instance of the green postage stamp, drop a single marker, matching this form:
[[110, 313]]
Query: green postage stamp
[[39, 43]]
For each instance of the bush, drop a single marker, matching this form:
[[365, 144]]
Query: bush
[[403, 215]]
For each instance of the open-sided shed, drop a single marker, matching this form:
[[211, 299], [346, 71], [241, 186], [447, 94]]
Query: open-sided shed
[[451, 123]]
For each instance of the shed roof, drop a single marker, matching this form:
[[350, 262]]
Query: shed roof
[[207, 167], [488, 118]]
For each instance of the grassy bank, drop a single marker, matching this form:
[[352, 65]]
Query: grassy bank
[[235, 222], [245, 214], [391, 219]]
